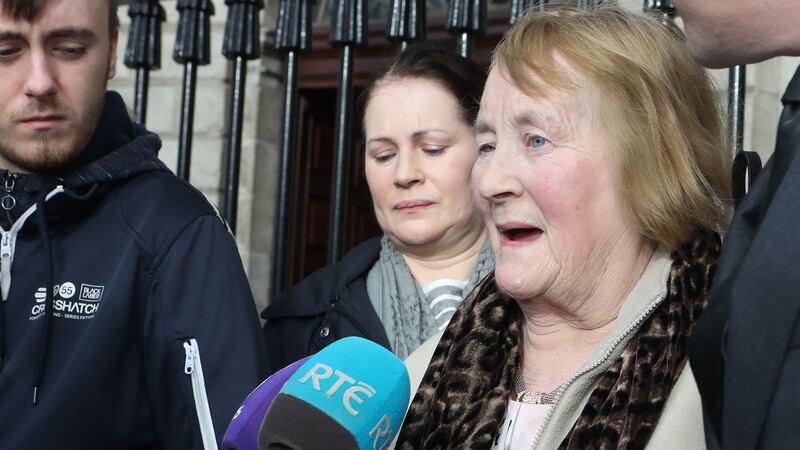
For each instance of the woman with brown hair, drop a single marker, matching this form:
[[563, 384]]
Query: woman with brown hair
[[401, 288]]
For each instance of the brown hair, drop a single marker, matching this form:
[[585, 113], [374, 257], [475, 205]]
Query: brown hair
[[654, 103], [28, 10], [461, 77]]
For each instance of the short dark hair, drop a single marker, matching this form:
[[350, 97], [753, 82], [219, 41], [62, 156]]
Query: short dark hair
[[28, 10], [461, 77]]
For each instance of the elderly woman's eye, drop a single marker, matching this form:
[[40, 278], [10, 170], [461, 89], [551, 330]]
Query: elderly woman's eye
[[486, 148], [535, 141]]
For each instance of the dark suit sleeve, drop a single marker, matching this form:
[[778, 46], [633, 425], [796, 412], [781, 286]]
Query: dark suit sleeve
[[761, 379], [783, 426]]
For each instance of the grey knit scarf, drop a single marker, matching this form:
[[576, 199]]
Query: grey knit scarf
[[400, 303]]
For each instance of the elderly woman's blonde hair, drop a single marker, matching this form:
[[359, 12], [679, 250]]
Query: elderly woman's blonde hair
[[655, 105]]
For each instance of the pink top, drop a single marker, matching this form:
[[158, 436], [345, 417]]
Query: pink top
[[521, 425]]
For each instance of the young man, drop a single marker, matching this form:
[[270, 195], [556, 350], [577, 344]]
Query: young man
[[746, 349], [127, 321]]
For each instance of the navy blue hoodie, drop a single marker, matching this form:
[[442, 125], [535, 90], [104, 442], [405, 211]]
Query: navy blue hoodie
[[127, 320]]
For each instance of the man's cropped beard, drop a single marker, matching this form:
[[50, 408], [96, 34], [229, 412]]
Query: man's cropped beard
[[50, 151], [41, 155]]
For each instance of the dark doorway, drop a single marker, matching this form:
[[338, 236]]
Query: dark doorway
[[312, 193]]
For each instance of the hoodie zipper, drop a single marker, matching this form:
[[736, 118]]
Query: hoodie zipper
[[194, 369], [9, 202], [607, 354], [8, 241]]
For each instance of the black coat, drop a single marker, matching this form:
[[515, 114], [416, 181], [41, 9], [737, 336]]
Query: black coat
[[746, 349], [328, 305], [144, 275]]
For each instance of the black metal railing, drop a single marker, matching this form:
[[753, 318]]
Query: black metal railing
[[241, 43], [520, 7], [348, 30], [466, 19], [746, 164], [665, 7], [143, 52], [192, 49], [406, 23], [294, 39]]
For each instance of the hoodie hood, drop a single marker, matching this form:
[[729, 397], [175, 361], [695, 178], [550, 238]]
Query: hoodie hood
[[118, 150]]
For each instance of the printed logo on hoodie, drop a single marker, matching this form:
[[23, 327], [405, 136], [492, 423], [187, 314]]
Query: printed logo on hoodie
[[69, 302]]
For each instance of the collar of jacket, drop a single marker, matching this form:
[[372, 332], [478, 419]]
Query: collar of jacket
[[314, 294], [119, 149]]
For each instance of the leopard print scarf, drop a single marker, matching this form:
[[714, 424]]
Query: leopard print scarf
[[463, 396]]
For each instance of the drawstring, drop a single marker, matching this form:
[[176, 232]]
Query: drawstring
[[47, 320], [8, 202], [2, 333]]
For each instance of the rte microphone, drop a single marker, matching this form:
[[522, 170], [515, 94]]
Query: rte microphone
[[351, 395], [242, 433]]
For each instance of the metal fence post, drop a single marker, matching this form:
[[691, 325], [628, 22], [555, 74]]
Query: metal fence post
[[520, 7], [241, 43], [143, 51], [406, 22], [348, 30], [293, 38], [466, 19], [737, 77], [192, 49], [664, 7], [746, 164]]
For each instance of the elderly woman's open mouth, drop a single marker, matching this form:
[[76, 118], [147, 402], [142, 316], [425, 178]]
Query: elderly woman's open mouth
[[518, 233]]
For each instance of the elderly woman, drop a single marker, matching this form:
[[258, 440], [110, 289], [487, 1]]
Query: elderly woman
[[402, 288], [603, 178]]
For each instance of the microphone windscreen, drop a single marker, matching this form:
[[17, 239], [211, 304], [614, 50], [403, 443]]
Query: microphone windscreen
[[353, 394], [242, 432]]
